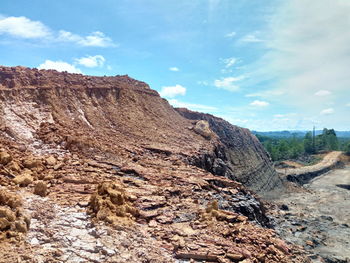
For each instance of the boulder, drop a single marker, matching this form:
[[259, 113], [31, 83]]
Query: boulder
[[7, 213], [202, 128], [40, 188], [5, 157], [21, 226], [23, 179], [51, 161], [4, 224], [14, 167], [32, 163]]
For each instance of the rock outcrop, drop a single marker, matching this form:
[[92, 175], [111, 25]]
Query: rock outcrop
[[110, 146], [239, 155]]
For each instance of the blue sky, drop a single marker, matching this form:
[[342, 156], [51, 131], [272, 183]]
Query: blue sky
[[264, 65]]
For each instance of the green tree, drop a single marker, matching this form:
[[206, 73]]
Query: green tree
[[347, 148], [308, 145]]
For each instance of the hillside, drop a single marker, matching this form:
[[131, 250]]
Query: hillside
[[102, 169]]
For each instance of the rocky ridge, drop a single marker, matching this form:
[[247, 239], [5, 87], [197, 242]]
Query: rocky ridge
[[238, 156], [105, 168]]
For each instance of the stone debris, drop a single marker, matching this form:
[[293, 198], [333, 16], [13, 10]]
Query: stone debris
[[5, 157], [13, 220], [128, 181], [24, 179], [112, 204], [40, 188]]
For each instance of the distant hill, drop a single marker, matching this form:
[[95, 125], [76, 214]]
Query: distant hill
[[288, 134]]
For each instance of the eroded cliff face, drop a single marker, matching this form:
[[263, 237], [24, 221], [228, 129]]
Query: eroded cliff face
[[239, 155], [103, 168]]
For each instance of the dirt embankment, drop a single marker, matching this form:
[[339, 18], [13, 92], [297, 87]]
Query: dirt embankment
[[304, 174], [104, 169]]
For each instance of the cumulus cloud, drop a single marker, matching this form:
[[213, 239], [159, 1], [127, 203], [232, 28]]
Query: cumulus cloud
[[322, 93], [192, 106], [172, 91], [91, 61], [228, 83], [95, 39], [231, 34], [59, 66], [327, 111], [174, 69], [23, 27], [348, 105], [259, 103], [251, 38]]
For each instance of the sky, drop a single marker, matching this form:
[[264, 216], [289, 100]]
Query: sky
[[264, 65]]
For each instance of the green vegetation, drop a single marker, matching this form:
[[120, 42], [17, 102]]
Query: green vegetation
[[294, 147]]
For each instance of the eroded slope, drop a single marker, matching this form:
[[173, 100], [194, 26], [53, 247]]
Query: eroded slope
[[73, 133]]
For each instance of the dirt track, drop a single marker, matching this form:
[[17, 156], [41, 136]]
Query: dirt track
[[304, 174], [318, 218]]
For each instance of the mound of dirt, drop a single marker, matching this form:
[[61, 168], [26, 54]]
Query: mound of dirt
[[13, 221], [112, 204]]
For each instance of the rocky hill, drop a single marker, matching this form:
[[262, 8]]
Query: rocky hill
[[101, 169], [238, 156]]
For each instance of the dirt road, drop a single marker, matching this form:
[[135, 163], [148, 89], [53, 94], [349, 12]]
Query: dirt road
[[319, 218], [304, 174]]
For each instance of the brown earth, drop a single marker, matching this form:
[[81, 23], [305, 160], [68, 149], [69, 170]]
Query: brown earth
[[110, 172]]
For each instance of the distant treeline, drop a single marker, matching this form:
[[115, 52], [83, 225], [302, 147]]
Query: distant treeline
[[293, 147], [289, 134]]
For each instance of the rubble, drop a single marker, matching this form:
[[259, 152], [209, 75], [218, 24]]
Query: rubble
[[112, 204], [128, 180], [13, 221]]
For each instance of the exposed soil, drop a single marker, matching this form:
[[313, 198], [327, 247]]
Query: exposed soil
[[110, 172], [319, 217]]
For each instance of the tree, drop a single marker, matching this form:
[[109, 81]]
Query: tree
[[308, 145], [347, 149]]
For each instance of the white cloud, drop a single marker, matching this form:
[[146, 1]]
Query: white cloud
[[259, 103], [266, 94], [229, 62], [23, 27], [279, 115], [95, 39], [322, 93], [59, 66], [91, 61], [191, 106], [306, 49], [228, 83], [251, 38], [327, 111], [231, 34], [172, 91], [348, 105], [174, 69]]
